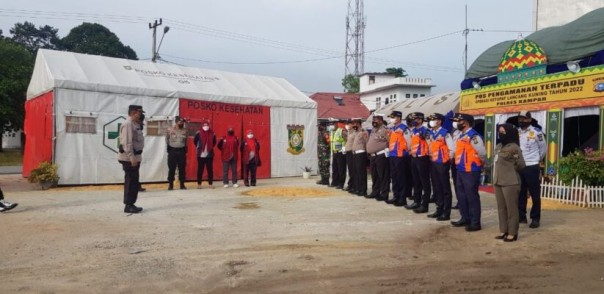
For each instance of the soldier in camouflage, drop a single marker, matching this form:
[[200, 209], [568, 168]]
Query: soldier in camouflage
[[323, 153]]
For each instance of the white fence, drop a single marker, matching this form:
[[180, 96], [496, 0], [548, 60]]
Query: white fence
[[576, 193]]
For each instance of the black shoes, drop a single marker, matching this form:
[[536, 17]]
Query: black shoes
[[171, 186], [182, 186], [141, 189], [371, 196], [421, 209], [381, 198], [391, 201], [501, 237], [413, 205], [460, 223], [507, 239], [131, 208], [443, 218], [323, 182], [340, 187], [534, 224], [434, 215], [400, 203], [472, 228], [523, 220]]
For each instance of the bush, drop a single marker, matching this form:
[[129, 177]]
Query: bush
[[45, 172], [587, 166]]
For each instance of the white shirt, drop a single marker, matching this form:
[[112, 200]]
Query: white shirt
[[532, 144]]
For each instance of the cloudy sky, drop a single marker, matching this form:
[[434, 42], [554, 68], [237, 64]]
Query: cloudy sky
[[302, 41]]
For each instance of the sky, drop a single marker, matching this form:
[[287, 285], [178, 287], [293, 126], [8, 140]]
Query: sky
[[302, 41]]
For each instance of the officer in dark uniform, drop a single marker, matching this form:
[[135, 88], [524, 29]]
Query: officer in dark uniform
[[176, 142], [420, 164], [323, 154], [440, 149], [399, 156], [377, 149], [131, 147]]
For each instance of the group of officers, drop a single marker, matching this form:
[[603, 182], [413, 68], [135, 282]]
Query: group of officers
[[416, 157]]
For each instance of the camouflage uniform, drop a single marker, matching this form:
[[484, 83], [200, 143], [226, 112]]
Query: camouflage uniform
[[323, 153]]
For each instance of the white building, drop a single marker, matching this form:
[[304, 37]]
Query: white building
[[379, 89], [549, 13]]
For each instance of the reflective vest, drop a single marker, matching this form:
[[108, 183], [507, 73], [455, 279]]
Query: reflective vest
[[398, 142], [419, 146], [466, 157], [337, 141], [438, 146]]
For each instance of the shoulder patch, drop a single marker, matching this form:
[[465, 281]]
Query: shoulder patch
[[540, 137], [475, 139]]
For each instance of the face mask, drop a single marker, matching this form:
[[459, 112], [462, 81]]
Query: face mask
[[249, 136], [393, 121], [455, 125], [356, 128], [374, 124], [524, 124], [460, 126], [142, 117], [432, 123], [331, 128], [410, 123], [347, 127], [205, 128]]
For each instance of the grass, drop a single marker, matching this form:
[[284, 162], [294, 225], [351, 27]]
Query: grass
[[11, 157]]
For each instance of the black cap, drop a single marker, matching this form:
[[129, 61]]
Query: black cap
[[133, 107], [416, 115], [342, 120], [349, 121], [436, 116], [462, 116], [179, 118], [396, 113]]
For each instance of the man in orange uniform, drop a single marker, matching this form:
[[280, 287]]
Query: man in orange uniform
[[420, 164], [441, 151], [470, 155], [399, 156]]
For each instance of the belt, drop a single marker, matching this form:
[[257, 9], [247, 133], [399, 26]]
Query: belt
[[358, 151], [378, 153]]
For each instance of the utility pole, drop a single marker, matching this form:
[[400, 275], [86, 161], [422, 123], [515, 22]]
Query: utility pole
[[466, 32], [154, 26], [355, 38]]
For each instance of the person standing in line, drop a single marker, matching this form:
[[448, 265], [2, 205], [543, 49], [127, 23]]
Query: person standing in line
[[377, 148], [440, 148], [533, 145], [229, 145], [408, 189], [359, 150], [470, 155], [5, 205], [338, 159], [176, 143], [399, 154], [250, 156], [420, 164], [323, 154], [456, 133], [347, 151], [131, 147], [205, 140], [506, 179]]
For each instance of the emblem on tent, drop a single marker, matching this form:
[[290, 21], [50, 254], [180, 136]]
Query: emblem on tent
[[295, 134], [111, 133]]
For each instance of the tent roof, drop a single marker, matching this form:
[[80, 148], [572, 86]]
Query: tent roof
[[575, 40], [68, 70]]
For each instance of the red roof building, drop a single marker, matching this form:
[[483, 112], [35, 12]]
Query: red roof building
[[339, 105]]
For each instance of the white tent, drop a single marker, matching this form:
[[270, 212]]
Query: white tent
[[75, 103]]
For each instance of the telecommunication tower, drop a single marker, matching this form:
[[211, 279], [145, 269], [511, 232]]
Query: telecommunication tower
[[355, 41]]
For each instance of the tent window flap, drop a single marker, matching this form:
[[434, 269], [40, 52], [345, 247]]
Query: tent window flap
[[79, 124]]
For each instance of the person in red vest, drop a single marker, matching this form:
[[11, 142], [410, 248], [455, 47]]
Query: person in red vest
[[229, 145], [250, 156], [205, 140]]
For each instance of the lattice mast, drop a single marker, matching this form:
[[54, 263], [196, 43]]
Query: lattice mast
[[355, 38]]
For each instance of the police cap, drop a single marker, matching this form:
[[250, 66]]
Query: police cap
[[396, 113], [416, 115], [462, 116], [525, 113], [435, 116]]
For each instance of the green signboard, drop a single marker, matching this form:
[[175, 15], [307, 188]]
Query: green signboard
[[554, 139], [489, 138], [602, 127]]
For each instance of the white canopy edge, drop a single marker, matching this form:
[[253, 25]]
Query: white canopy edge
[[68, 70]]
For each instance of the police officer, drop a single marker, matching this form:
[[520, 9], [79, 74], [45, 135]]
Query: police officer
[[359, 150], [470, 155], [440, 149], [347, 151], [132, 143], [338, 159], [377, 148], [323, 153], [176, 142], [420, 164], [533, 146], [398, 156]]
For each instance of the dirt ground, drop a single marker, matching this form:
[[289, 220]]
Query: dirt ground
[[249, 240]]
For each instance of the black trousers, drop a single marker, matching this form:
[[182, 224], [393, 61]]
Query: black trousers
[[131, 182], [177, 157], [420, 167], [349, 165], [249, 172], [530, 182], [454, 177], [380, 175], [441, 184], [397, 177], [468, 197], [360, 167], [408, 175], [205, 162], [338, 169]]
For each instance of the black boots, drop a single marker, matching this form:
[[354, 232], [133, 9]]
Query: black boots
[[131, 208]]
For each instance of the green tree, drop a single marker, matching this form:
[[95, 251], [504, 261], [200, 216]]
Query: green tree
[[350, 83], [93, 38], [33, 38], [398, 72], [15, 70]]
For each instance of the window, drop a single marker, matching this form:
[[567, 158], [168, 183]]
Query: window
[[422, 95], [393, 98], [387, 101], [339, 100], [378, 102], [371, 80], [157, 127], [407, 95], [80, 124], [414, 95]]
